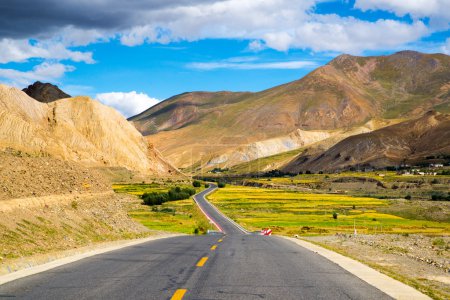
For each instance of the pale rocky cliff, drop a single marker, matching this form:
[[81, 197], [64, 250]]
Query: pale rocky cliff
[[76, 129]]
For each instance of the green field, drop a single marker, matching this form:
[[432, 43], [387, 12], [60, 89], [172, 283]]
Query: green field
[[382, 184], [291, 212], [175, 216]]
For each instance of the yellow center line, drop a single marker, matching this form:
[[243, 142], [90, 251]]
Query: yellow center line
[[179, 294], [202, 261], [220, 241], [213, 247]]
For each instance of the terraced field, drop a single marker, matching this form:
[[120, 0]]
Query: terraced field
[[291, 212]]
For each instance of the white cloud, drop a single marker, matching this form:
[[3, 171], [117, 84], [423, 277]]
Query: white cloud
[[128, 104], [23, 50], [350, 35], [276, 24], [446, 47], [435, 9], [280, 41], [251, 66], [256, 46], [72, 36], [43, 72]]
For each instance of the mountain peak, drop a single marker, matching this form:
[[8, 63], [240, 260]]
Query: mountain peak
[[45, 92]]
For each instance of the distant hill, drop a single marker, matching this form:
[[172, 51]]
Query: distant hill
[[426, 139], [75, 129], [205, 129], [45, 92]]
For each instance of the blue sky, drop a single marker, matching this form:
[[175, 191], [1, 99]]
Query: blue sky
[[132, 55]]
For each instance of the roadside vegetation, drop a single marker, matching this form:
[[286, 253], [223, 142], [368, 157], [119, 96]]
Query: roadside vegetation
[[166, 206]]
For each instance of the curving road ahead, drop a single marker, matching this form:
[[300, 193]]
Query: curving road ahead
[[235, 265]]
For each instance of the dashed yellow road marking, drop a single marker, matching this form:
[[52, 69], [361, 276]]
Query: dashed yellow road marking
[[179, 294], [220, 241], [213, 247], [202, 261]]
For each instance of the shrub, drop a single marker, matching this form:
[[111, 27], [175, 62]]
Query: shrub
[[173, 194], [206, 185], [408, 197], [221, 184], [435, 196], [434, 181], [154, 198], [335, 215], [196, 183], [439, 242], [74, 204]]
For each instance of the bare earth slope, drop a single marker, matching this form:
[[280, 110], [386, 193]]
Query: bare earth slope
[[407, 142], [199, 128], [75, 129]]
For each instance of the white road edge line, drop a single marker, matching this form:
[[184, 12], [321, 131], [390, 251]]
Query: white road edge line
[[70, 259], [384, 283], [204, 212], [214, 188]]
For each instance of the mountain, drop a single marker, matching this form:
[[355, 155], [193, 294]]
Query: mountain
[[204, 130], [45, 92], [410, 142], [75, 129]]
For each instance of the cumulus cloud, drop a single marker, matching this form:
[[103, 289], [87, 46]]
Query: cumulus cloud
[[22, 50], [128, 104], [350, 35], [42, 72], [435, 9], [276, 24]]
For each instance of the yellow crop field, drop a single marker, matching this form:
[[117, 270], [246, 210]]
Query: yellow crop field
[[291, 212]]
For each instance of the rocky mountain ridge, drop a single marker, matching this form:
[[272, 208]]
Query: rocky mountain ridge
[[45, 92], [344, 94]]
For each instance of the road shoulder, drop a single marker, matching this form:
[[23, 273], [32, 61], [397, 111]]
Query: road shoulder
[[100, 249], [384, 283]]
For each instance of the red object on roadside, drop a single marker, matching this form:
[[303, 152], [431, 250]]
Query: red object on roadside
[[266, 231]]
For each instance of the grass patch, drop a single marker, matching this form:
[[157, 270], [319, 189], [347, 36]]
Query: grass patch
[[181, 216]]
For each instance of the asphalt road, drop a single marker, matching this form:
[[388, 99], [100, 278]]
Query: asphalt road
[[235, 265]]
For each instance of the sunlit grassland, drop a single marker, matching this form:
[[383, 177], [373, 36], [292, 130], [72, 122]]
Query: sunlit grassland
[[138, 189], [291, 212], [175, 216], [385, 176]]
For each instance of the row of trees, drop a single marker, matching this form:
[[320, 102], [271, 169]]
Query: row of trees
[[158, 198]]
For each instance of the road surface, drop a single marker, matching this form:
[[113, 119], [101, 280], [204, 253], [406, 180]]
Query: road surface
[[233, 265]]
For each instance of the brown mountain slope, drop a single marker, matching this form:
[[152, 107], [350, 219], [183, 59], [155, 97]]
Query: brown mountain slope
[[408, 142], [197, 128], [75, 129], [45, 92]]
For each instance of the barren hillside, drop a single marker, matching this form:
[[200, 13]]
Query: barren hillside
[[410, 142], [75, 129], [200, 128]]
